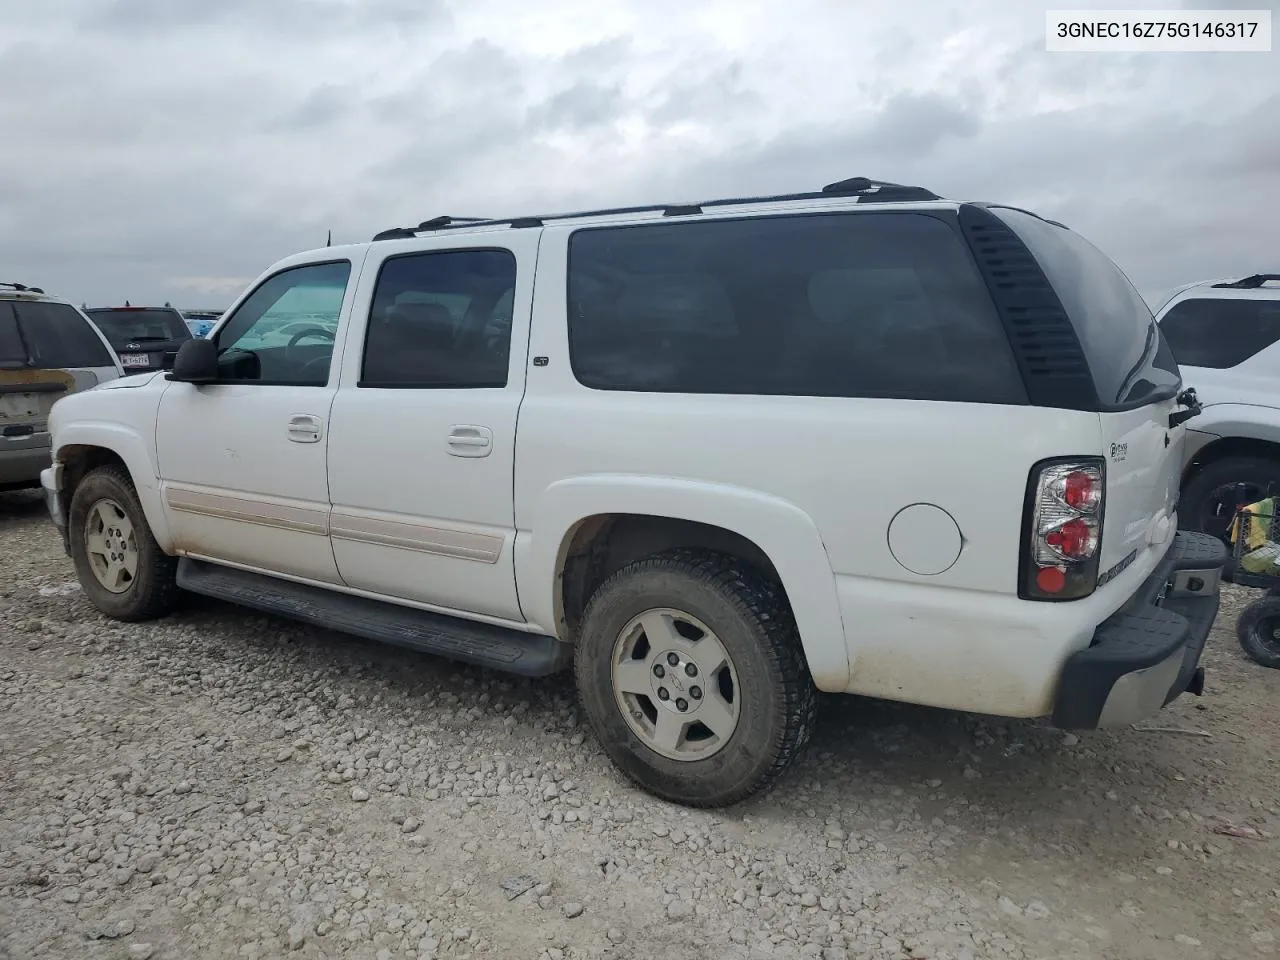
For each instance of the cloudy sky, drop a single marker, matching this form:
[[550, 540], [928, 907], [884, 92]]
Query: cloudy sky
[[172, 149]]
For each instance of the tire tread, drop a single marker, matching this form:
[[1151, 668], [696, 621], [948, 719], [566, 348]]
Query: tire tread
[[762, 603]]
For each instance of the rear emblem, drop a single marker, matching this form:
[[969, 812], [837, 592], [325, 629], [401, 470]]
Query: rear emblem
[[1119, 452], [133, 346]]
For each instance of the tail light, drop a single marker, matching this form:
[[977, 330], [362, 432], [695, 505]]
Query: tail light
[[1063, 529]]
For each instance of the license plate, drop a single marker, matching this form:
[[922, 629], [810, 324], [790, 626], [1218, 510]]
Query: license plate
[[135, 360]]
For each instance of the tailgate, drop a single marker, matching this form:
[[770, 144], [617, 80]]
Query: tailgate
[[1143, 457], [27, 396]]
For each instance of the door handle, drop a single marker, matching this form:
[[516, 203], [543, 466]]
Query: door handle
[[466, 440], [305, 428]]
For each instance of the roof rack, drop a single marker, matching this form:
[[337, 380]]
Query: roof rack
[[435, 223], [865, 189], [1249, 283], [21, 287]]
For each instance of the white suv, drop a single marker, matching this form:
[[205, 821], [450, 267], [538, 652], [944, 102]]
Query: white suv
[[48, 349], [717, 456], [1225, 335]]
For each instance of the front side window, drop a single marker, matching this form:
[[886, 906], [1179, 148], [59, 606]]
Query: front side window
[[1220, 332], [883, 305], [58, 337], [284, 331], [441, 320]]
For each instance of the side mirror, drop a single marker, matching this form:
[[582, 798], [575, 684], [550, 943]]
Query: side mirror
[[196, 362]]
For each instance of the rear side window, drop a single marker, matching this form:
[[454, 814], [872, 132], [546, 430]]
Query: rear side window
[[55, 336], [441, 320], [1130, 365], [835, 305], [1220, 333]]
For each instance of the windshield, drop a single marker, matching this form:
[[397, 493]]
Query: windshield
[[130, 324]]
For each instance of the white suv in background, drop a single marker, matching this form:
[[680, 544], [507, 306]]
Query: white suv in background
[[717, 456], [1225, 335]]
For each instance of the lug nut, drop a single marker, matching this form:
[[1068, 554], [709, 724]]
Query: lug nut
[[663, 695], [658, 671], [682, 705], [691, 669], [673, 659], [695, 692]]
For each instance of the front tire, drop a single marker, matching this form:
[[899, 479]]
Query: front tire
[[1258, 631], [691, 674], [121, 568]]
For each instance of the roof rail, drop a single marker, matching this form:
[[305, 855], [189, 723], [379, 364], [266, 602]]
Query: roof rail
[[21, 287], [865, 189], [1249, 283]]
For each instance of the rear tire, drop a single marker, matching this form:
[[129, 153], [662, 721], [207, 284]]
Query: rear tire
[[121, 568], [1258, 631], [1202, 508], [691, 674]]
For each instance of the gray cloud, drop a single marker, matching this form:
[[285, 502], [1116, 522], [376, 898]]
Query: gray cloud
[[165, 149]]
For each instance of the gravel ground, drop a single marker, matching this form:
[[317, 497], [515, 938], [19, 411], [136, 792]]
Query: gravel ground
[[221, 784]]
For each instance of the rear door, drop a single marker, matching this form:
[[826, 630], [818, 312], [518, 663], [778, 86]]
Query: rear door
[[1137, 380], [423, 434]]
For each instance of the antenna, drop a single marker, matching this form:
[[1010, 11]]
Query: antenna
[[328, 241]]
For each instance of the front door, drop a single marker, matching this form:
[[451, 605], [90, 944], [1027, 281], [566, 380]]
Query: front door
[[242, 460], [422, 436]]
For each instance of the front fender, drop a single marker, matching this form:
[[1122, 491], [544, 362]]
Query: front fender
[[1249, 421], [782, 530], [138, 455]]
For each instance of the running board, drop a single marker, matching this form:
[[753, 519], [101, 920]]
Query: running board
[[482, 644]]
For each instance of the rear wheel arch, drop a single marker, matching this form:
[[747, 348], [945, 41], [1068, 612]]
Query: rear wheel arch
[[773, 536]]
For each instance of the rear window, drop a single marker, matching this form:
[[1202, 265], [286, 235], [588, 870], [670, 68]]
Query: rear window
[[1220, 333], [834, 305], [13, 352], [1131, 366], [49, 336], [140, 325]]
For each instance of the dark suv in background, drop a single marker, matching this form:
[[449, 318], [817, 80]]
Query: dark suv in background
[[48, 350], [145, 338]]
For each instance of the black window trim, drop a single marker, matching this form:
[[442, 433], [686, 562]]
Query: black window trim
[[946, 215], [1080, 392], [363, 384], [230, 315]]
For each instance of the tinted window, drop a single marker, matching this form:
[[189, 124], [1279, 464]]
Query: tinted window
[[13, 352], [58, 337], [847, 305], [1112, 321], [441, 320], [137, 324], [284, 331], [1220, 333]]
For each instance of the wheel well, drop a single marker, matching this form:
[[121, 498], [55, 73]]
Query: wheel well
[[601, 545], [1229, 447], [77, 460]]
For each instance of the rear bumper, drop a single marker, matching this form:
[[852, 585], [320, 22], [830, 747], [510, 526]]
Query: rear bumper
[[1148, 652], [22, 463]]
